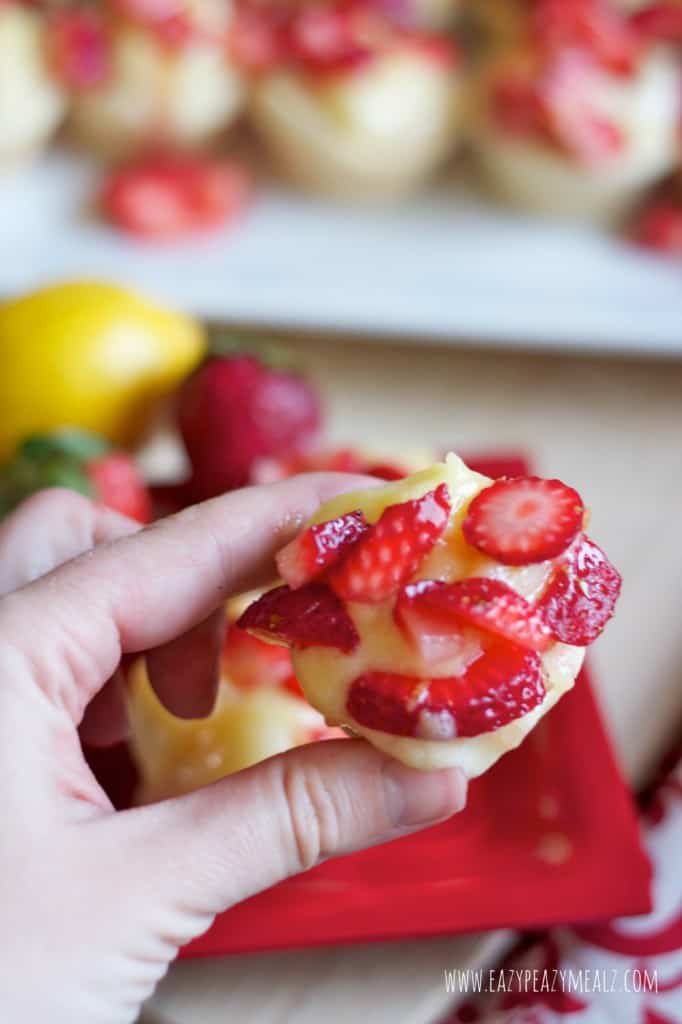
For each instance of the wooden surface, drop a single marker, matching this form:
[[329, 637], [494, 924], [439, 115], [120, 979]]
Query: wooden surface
[[614, 430]]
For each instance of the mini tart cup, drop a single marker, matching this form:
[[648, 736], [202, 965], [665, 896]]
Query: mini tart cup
[[32, 103], [185, 99], [536, 178], [321, 154], [176, 755]]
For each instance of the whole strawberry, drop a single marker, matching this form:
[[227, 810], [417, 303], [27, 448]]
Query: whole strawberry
[[237, 409], [80, 461]]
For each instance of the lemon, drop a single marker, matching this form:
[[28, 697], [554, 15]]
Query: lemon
[[90, 355]]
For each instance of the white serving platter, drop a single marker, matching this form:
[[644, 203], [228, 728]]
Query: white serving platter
[[447, 267]]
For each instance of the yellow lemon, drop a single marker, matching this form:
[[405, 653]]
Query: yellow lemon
[[89, 355]]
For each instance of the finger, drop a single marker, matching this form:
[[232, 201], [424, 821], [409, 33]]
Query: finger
[[146, 589], [206, 851], [193, 657], [48, 529]]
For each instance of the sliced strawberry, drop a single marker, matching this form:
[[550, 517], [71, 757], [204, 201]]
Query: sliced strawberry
[[312, 616], [256, 40], [292, 685], [385, 471], [250, 662], [167, 197], [662, 21], [437, 638], [503, 684], [328, 39], [433, 46], [572, 122], [581, 597], [487, 604], [79, 48], [516, 106], [318, 548], [149, 11], [393, 549], [659, 226], [595, 26], [117, 483], [523, 520]]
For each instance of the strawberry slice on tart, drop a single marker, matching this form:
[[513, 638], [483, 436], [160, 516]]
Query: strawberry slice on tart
[[457, 611]]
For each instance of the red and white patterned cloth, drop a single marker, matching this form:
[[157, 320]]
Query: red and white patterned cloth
[[590, 974]]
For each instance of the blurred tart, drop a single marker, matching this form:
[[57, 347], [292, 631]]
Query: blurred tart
[[354, 106], [32, 102], [579, 117], [149, 75]]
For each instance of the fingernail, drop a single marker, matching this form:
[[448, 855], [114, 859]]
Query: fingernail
[[419, 798]]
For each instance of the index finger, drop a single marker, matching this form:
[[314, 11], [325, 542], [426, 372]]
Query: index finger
[[146, 589]]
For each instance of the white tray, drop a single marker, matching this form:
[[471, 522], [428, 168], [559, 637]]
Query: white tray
[[446, 267]]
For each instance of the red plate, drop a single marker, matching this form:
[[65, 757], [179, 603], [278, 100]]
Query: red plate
[[549, 836]]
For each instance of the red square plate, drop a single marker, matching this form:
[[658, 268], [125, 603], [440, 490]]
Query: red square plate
[[549, 836]]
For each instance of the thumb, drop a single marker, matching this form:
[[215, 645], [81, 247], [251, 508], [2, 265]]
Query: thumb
[[204, 852]]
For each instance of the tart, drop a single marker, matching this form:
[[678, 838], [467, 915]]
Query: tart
[[259, 711], [355, 106], [575, 123], [141, 81], [32, 102], [440, 616]]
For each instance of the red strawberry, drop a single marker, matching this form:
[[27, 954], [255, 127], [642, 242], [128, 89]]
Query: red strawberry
[[250, 662], [517, 106], [581, 597], [117, 483], [437, 638], [433, 46], [523, 520], [659, 226], [318, 548], [487, 604], [79, 48], [503, 684], [80, 461], [385, 471], [331, 39], [312, 616], [256, 39], [165, 197], [393, 549], [659, 21], [572, 123], [149, 11], [235, 410], [594, 26]]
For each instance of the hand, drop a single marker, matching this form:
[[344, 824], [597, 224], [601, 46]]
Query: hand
[[94, 904]]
